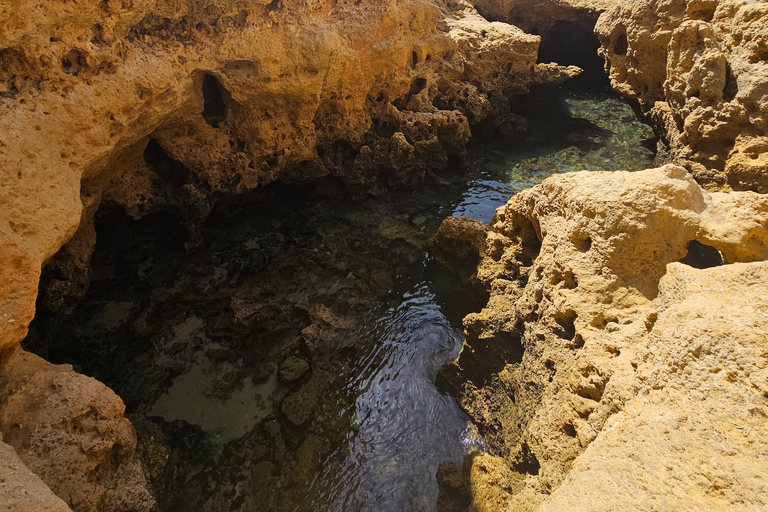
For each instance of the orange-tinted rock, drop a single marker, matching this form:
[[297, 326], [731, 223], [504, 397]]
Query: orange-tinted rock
[[70, 430]]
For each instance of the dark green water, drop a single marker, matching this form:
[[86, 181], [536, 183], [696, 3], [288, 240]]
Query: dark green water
[[193, 341]]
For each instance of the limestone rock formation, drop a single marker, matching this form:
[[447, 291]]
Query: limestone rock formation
[[619, 302], [21, 489], [694, 437], [698, 70], [151, 105], [70, 431], [540, 17]]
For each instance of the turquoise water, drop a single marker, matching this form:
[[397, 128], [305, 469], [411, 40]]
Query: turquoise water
[[197, 342]]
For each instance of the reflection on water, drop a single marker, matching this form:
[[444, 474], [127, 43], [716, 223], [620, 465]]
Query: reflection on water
[[402, 427], [287, 363]]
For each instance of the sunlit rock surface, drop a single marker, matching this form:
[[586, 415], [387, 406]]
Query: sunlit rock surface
[[634, 292], [153, 105], [699, 71], [695, 436]]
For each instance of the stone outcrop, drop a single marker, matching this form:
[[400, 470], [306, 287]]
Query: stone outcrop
[[694, 437], [698, 70], [619, 363], [540, 17], [150, 106], [70, 431], [21, 489]]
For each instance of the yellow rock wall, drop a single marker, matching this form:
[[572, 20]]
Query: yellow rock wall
[[86, 88]]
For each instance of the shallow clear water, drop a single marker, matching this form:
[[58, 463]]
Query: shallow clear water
[[574, 132], [401, 425], [194, 340]]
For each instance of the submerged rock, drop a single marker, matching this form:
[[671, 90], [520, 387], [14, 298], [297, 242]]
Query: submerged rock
[[608, 332], [292, 369]]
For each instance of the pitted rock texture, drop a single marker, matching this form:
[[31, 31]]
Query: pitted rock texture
[[616, 292], [70, 431], [698, 70], [695, 436], [154, 105], [21, 489]]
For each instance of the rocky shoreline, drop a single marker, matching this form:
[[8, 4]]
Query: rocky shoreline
[[613, 313], [620, 360]]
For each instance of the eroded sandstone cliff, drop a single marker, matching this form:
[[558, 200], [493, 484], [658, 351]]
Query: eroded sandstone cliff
[[699, 71], [626, 331], [152, 105], [598, 330]]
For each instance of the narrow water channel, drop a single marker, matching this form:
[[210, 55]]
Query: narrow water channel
[[287, 363]]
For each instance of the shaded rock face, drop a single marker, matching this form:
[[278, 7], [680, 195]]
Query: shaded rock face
[[541, 17], [611, 292], [154, 106], [21, 489], [566, 28], [698, 71], [70, 431]]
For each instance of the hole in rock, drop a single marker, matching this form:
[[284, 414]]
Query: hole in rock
[[566, 328], [550, 366], [703, 14], [702, 256], [731, 89], [583, 244], [529, 463], [414, 59], [569, 430], [168, 169], [214, 107], [73, 62], [620, 46], [418, 85], [573, 43]]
